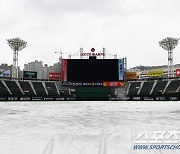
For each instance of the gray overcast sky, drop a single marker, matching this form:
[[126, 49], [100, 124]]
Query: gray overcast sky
[[130, 28]]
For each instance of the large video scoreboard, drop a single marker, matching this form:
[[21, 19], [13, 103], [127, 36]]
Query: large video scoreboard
[[92, 70]]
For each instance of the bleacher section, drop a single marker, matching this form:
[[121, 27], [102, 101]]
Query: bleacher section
[[159, 88], [3, 90], [140, 90], [51, 88], [26, 87], [13, 87], [146, 88], [172, 87], [134, 88], [39, 88]]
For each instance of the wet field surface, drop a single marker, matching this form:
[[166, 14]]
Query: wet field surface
[[83, 127]]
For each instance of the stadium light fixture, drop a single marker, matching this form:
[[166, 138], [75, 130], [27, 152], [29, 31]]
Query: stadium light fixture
[[16, 44], [169, 44]]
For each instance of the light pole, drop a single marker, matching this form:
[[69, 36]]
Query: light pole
[[169, 44], [16, 44]]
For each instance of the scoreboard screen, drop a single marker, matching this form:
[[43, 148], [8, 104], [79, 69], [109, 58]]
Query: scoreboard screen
[[90, 70]]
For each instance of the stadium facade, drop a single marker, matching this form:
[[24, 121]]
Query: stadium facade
[[92, 76]]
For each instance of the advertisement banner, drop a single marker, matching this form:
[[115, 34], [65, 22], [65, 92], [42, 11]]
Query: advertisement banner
[[178, 72], [84, 84], [92, 54], [131, 75], [121, 69], [64, 70], [54, 76], [29, 75], [4, 73], [155, 73], [113, 84]]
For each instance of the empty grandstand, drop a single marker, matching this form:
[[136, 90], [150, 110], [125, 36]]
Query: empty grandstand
[[39, 88], [154, 90], [51, 88], [3, 90], [14, 88], [26, 87], [32, 90], [146, 88], [159, 88], [173, 88], [133, 88]]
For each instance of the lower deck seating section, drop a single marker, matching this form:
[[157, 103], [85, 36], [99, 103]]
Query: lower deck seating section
[[39, 88], [13, 87], [134, 88], [3, 89], [51, 88], [172, 87], [159, 88], [146, 88], [26, 87]]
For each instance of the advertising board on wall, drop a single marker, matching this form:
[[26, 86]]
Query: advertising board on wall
[[54, 76], [93, 53], [4, 73], [121, 69], [64, 70], [155, 73], [82, 84], [113, 84], [29, 75], [178, 72], [95, 84], [131, 75]]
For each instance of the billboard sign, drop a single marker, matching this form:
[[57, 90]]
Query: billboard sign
[[93, 53], [54, 76], [85, 70], [29, 74], [95, 84], [4, 73], [113, 84], [178, 72], [84, 84], [121, 69], [64, 70], [131, 75], [155, 73]]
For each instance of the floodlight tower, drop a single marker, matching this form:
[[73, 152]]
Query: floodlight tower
[[16, 44], [169, 44]]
